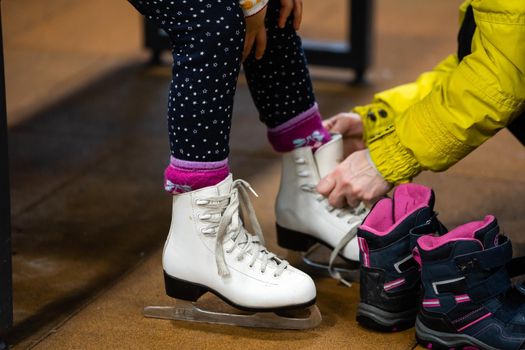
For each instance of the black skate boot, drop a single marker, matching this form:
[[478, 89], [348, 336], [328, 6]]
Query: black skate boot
[[390, 280], [469, 301]]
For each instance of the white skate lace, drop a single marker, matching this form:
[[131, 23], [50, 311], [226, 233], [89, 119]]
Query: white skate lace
[[224, 219], [355, 217]]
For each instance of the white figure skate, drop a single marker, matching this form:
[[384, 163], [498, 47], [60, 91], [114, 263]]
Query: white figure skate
[[304, 217], [209, 250]]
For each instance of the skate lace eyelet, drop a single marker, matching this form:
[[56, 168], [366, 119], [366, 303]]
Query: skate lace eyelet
[[207, 231], [204, 217], [300, 161], [201, 201], [303, 173]]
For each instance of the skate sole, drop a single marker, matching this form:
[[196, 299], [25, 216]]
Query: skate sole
[[435, 340], [380, 320], [190, 291], [301, 242]]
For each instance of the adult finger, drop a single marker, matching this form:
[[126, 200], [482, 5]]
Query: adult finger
[[337, 197], [330, 122], [326, 185], [352, 201]]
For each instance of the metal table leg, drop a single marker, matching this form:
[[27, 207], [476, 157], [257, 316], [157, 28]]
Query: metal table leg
[[355, 53], [6, 291]]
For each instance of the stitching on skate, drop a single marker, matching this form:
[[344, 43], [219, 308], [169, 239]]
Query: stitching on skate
[[467, 315]]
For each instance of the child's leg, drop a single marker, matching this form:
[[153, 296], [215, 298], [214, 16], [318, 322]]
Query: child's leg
[[207, 39], [281, 88]]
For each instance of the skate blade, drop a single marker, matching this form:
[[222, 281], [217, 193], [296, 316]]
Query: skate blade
[[188, 311], [318, 257]]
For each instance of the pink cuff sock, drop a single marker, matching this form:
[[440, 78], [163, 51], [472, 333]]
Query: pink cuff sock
[[185, 176], [306, 129]]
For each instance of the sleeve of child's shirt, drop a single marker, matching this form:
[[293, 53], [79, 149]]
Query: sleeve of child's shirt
[[252, 7]]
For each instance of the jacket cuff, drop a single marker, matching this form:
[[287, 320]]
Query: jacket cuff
[[252, 7], [395, 162], [378, 120]]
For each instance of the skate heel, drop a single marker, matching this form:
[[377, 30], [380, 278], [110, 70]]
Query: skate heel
[[182, 290], [293, 240]]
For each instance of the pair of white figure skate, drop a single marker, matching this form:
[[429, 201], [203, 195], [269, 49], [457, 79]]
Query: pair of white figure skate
[[208, 248]]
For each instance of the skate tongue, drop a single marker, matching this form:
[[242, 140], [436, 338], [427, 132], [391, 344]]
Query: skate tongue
[[329, 155], [225, 186], [410, 197]]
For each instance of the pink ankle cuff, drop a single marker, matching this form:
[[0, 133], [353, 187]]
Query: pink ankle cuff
[[185, 176], [306, 129]]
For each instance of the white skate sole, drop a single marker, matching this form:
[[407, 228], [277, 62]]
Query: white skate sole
[[189, 311]]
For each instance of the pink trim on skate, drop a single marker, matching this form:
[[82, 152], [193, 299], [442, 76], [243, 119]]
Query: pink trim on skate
[[306, 129], [461, 233], [431, 303], [363, 247], [388, 213], [394, 284], [463, 298], [476, 321]]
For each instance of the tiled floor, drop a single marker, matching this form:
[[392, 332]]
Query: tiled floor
[[88, 147]]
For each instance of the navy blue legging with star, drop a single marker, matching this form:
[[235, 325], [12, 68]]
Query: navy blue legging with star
[[207, 39]]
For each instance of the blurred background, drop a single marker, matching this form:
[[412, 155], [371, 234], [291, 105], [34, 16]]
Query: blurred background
[[88, 145]]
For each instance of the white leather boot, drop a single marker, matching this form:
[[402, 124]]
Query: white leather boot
[[209, 250], [304, 217]]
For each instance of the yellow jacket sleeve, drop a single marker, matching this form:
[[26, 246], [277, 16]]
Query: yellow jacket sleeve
[[435, 122]]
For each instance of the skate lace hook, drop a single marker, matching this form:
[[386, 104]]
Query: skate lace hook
[[230, 222]]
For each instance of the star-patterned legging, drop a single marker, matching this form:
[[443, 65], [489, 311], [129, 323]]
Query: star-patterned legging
[[207, 39]]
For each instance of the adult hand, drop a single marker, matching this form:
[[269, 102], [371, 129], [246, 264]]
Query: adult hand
[[287, 8], [350, 126], [255, 35], [353, 181]]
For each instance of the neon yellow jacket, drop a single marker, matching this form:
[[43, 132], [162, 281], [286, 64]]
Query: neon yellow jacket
[[434, 122]]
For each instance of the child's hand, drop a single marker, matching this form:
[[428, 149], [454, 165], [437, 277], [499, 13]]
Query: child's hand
[[255, 34], [287, 6], [350, 126]]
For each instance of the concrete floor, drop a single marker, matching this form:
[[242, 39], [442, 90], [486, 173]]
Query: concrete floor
[[88, 146]]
